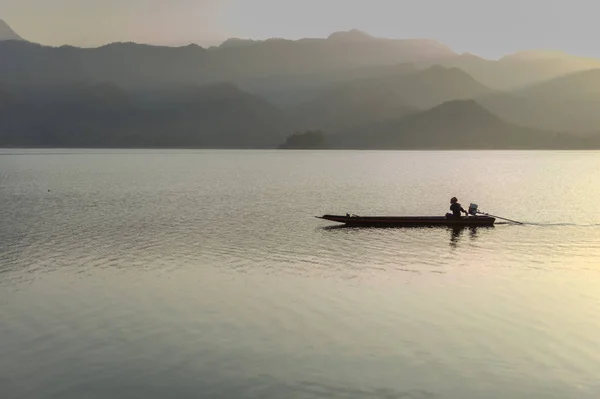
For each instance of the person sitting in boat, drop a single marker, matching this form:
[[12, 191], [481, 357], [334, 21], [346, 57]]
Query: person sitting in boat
[[456, 209]]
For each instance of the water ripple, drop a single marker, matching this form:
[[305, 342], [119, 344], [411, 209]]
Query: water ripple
[[186, 274]]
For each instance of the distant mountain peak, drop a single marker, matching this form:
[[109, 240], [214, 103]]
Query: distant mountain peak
[[6, 32], [351, 35], [460, 110], [471, 56], [237, 42], [444, 71], [571, 86]]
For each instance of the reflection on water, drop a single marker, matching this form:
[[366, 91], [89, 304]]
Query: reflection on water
[[457, 232], [205, 274]]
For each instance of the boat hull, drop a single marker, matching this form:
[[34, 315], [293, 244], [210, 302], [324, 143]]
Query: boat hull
[[410, 221]]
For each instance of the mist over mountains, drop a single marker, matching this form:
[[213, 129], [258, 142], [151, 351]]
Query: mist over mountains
[[359, 90]]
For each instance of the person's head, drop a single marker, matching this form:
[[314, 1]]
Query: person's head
[[454, 200]]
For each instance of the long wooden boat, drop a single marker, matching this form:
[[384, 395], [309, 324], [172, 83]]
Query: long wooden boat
[[410, 221]]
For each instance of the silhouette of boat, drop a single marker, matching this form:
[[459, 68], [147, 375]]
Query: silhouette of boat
[[410, 221]]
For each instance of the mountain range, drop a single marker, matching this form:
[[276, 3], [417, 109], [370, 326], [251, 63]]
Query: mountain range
[[104, 115], [361, 91], [457, 124]]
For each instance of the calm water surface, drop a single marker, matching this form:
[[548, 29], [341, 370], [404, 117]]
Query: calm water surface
[[204, 274]]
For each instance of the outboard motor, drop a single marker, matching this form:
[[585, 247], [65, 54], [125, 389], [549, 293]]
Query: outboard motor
[[473, 209]]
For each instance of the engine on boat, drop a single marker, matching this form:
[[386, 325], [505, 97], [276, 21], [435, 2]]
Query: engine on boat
[[473, 209]]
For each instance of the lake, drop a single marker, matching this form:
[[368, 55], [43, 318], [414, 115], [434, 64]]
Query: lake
[[204, 274]]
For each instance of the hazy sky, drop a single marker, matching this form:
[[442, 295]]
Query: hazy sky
[[485, 27]]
